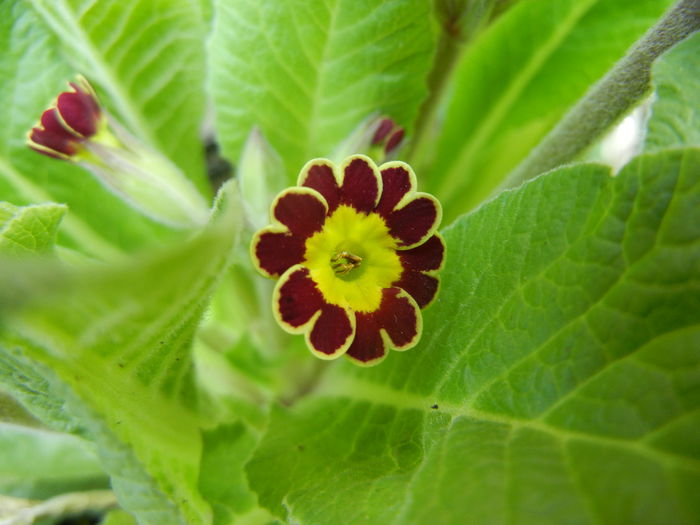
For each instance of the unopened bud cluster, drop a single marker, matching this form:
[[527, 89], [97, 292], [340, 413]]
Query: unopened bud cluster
[[73, 119], [388, 135]]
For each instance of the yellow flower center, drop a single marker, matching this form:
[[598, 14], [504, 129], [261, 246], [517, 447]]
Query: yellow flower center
[[352, 259]]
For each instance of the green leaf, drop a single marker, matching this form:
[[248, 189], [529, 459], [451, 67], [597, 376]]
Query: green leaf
[[114, 346], [12, 411], [675, 118], [308, 72], [33, 391], [516, 81], [148, 58], [29, 230], [118, 517], [222, 482], [38, 464], [34, 73], [557, 380]]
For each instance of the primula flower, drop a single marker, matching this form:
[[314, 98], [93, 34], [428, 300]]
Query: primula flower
[[356, 252], [72, 119]]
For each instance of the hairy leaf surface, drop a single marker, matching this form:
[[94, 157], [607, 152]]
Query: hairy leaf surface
[[114, 347]]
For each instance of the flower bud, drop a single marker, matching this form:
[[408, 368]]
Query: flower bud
[[76, 128], [383, 129], [375, 136], [72, 119], [394, 141]]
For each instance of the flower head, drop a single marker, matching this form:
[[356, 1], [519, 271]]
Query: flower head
[[73, 118], [356, 253]]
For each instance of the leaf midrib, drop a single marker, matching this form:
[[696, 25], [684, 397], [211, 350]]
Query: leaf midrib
[[320, 75], [357, 389]]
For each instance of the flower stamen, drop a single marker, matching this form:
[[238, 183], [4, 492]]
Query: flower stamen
[[343, 262]]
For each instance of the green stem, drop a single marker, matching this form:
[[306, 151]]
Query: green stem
[[611, 97]]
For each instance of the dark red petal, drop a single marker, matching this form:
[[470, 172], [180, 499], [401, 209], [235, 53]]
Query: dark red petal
[[399, 315], [274, 252], [368, 347], [85, 89], [420, 286], [424, 257], [51, 122], [361, 187], [301, 210], [45, 151], [296, 299], [59, 143], [318, 175], [332, 333], [383, 129], [412, 223], [77, 112], [397, 181], [394, 141]]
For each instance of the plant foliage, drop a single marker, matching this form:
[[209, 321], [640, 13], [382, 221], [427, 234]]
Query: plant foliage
[[558, 373]]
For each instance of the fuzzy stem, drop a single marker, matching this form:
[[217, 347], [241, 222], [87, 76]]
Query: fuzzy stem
[[623, 86]]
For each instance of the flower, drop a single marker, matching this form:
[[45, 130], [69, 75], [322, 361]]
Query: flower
[[73, 118], [356, 254]]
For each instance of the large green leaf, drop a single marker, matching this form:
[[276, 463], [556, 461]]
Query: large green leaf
[[33, 74], [513, 85], [557, 380], [128, 50], [113, 345], [308, 72], [148, 58], [37, 464], [675, 118]]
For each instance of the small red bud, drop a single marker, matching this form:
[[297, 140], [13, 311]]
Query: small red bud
[[74, 118], [394, 141], [383, 129]]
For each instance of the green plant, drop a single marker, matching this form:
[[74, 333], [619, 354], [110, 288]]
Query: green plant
[[557, 376]]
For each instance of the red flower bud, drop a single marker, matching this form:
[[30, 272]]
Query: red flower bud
[[71, 120], [394, 141], [383, 129]]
